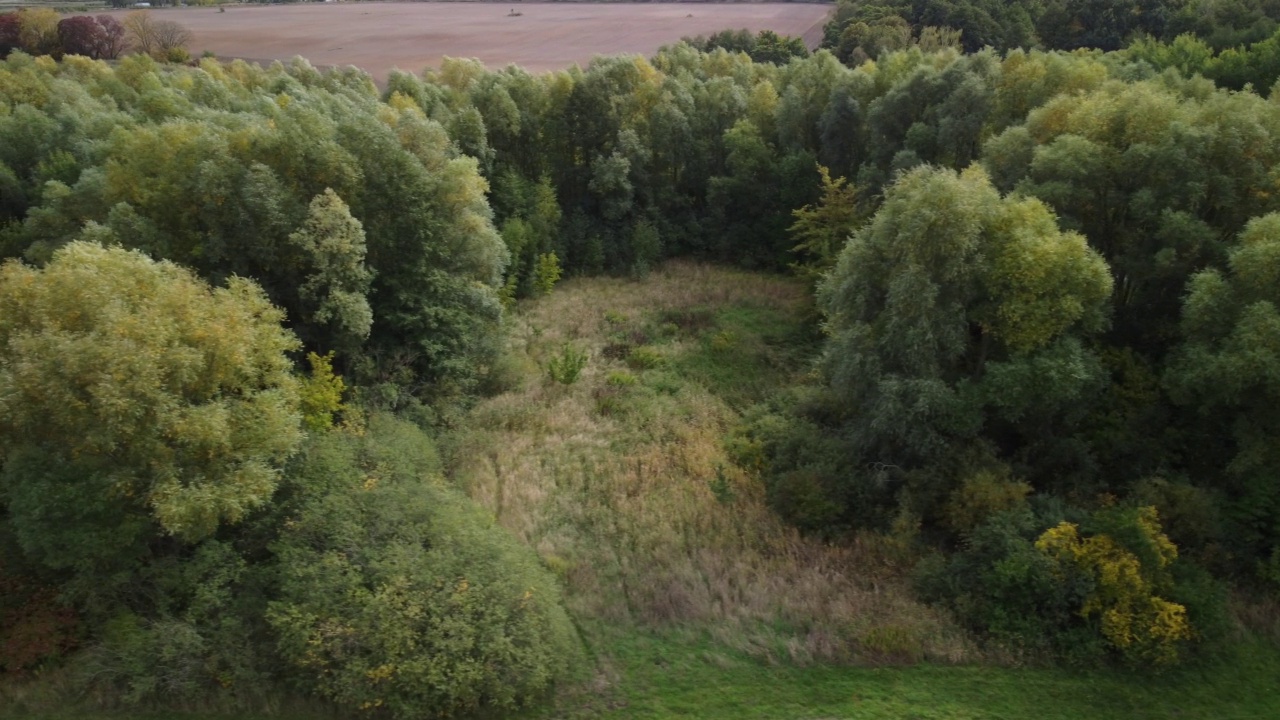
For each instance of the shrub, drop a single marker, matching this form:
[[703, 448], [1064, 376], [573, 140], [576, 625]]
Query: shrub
[[1128, 563], [34, 626], [1110, 583], [621, 378], [981, 495], [399, 594], [567, 366], [724, 341], [546, 273], [1000, 585], [646, 358]]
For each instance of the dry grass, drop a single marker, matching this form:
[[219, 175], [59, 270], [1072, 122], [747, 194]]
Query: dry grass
[[642, 513]]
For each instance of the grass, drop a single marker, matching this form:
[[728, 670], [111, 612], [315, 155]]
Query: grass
[[647, 676], [622, 481], [672, 679]]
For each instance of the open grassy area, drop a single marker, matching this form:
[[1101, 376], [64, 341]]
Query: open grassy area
[[665, 679], [623, 483], [647, 677]]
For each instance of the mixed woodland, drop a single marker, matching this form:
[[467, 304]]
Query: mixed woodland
[[245, 312]]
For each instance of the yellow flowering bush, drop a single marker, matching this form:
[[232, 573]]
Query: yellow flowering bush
[[1134, 619]]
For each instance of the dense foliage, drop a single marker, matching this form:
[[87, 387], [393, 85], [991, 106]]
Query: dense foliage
[[861, 29], [173, 486], [1044, 279]]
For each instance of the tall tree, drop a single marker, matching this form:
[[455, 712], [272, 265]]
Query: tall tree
[[136, 401], [946, 314]]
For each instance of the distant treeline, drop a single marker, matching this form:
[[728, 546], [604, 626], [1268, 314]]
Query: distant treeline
[[42, 31], [861, 29]]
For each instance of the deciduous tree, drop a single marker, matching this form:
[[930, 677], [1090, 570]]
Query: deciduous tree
[[136, 401]]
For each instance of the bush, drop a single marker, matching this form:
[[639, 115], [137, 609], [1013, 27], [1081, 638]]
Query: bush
[[567, 366], [1109, 584], [546, 273], [398, 594], [646, 358], [621, 378], [999, 584], [35, 627]]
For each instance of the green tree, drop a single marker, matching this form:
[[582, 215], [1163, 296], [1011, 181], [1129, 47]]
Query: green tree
[[955, 313], [1158, 178], [332, 248], [823, 228], [399, 595], [136, 401], [1228, 373]]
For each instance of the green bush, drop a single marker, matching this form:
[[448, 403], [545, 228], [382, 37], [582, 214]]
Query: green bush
[[621, 378], [1002, 586], [567, 366], [646, 358], [1108, 585], [399, 594]]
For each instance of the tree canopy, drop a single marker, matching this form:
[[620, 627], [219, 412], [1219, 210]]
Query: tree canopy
[[134, 394]]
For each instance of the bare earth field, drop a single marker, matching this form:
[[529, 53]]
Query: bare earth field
[[411, 36]]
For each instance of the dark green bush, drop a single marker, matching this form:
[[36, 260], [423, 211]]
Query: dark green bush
[[1002, 586], [398, 593]]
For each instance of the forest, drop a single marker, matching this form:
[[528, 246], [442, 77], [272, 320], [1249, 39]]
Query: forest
[[977, 298]]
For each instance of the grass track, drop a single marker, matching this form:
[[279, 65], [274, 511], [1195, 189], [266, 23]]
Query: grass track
[[665, 679]]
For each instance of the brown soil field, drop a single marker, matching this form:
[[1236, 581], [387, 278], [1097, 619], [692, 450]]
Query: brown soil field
[[411, 36]]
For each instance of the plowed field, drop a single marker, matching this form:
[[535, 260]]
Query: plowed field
[[410, 36]]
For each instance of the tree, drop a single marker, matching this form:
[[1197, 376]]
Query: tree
[[399, 595], [1102, 24], [136, 401], [824, 227], [80, 35], [39, 31], [10, 33], [1159, 179], [171, 39], [956, 314], [335, 291], [112, 40], [1228, 373], [142, 32]]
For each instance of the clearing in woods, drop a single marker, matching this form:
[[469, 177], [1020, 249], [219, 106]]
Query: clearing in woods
[[411, 36]]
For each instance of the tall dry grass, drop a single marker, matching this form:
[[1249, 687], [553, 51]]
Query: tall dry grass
[[622, 506]]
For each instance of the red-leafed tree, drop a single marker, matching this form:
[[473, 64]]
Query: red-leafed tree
[[100, 37], [111, 42], [10, 33], [80, 35]]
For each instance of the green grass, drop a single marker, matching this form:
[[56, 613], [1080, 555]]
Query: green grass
[[673, 677], [666, 678]]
